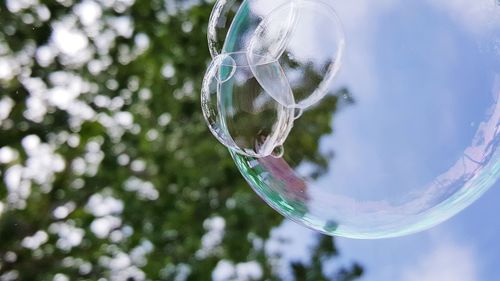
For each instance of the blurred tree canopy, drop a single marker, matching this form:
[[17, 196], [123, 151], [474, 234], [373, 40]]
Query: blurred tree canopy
[[109, 172]]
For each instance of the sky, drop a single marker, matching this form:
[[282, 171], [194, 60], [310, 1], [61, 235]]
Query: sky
[[464, 248], [423, 74], [424, 81]]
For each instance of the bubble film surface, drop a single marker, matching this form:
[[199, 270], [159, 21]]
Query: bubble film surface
[[259, 35], [296, 34], [239, 112], [237, 20], [414, 114]]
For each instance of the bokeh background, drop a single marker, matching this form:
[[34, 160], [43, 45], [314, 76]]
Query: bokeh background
[[109, 172]]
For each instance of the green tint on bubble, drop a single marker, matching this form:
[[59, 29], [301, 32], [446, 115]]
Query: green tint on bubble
[[289, 185]]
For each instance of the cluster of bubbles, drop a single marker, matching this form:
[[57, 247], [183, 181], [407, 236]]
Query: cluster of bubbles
[[412, 153], [257, 83]]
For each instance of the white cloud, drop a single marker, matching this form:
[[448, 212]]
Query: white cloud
[[290, 242], [476, 16], [446, 261]]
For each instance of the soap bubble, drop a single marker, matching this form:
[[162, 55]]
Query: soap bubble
[[414, 139], [237, 20], [239, 112], [275, 29], [310, 59]]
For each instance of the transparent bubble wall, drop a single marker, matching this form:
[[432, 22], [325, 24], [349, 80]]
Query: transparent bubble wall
[[239, 111], [413, 109]]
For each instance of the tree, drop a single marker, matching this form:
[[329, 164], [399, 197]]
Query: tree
[[108, 168]]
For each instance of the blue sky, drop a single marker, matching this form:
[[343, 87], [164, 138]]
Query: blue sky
[[440, 54], [424, 75]]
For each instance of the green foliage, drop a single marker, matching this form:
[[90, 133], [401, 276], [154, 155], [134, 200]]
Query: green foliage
[[133, 135]]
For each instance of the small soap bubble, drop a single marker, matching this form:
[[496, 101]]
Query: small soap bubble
[[240, 113], [283, 35], [278, 151]]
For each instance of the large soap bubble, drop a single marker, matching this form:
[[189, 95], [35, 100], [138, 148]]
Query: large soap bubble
[[419, 143], [239, 112]]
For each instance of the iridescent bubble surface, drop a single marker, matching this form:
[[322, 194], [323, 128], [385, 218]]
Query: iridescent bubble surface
[[418, 141]]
